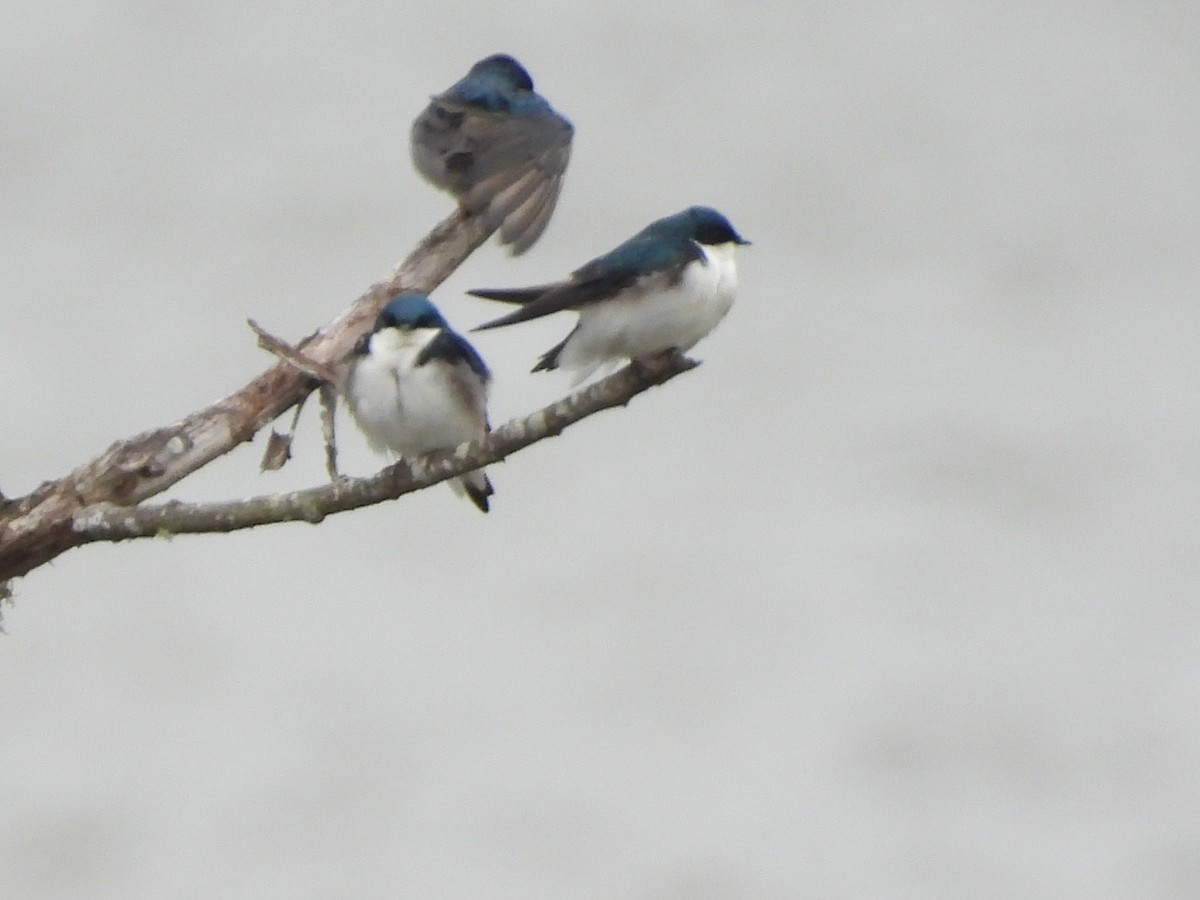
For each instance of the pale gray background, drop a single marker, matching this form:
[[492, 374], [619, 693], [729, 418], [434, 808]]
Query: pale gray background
[[896, 596]]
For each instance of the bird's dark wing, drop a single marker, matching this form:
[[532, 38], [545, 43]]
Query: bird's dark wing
[[524, 209], [518, 296], [453, 348], [506, 166], [576, 293], [464, 371], [471, 392], [440, 151], [517, 171], [505, 147], [645, 262]]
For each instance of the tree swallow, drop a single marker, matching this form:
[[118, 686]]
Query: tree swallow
[[415, 386], [663, 289], [496, 145]]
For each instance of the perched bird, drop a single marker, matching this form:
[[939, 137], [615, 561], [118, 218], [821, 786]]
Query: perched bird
[[663, 289], [496, 145], [415, 386]]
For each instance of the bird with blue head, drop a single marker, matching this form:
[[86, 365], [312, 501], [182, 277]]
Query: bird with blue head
[[415, 386], [497, 146], [664, 289]]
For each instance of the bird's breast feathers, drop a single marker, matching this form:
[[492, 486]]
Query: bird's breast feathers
[[703, 289], [656, 313], [409, 408], [716, 274], [399, 348]]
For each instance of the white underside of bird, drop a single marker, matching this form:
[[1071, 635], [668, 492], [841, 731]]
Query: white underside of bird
[[638, 323], [409, 410]]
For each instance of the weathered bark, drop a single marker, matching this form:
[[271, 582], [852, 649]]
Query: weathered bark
[[111, 522], [38, 527], [102, 500]]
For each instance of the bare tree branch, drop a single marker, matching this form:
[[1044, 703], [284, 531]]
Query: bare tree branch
[[102, 500], [110, 522], [38, 527]]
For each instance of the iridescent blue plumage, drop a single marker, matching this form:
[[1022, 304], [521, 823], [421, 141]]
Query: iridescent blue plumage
[[501, 84], [415, 386], [667, 243], [663, 289], [497, 146], [417, 311]]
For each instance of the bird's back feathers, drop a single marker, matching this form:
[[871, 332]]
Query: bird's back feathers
[[498, 147], [600, 279]]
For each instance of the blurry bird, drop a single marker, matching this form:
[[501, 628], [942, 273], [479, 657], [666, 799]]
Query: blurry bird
[[497, 146], [415, 386], [663, 289]]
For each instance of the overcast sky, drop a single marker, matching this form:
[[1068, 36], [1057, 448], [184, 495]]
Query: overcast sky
[[895, 596]]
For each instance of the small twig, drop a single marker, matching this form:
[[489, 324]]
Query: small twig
[[297, 359], [328, 398]]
